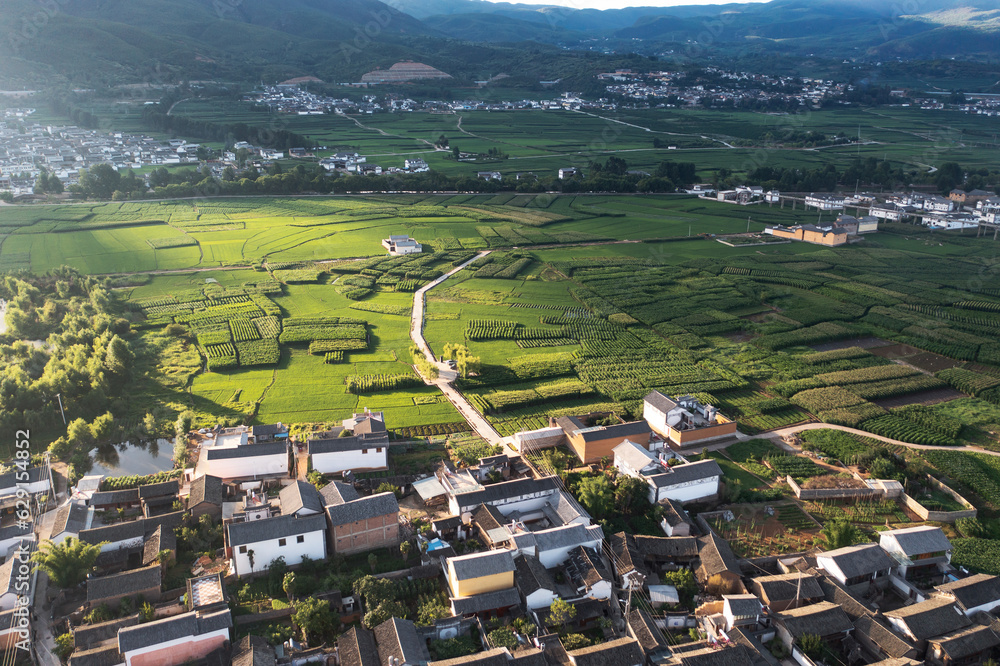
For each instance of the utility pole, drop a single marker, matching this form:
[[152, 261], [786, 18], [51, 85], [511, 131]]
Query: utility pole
[[59, 398], [748, 224]]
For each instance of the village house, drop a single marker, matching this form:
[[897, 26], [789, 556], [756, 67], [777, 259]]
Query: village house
[[252, 545], [585, 568], [590, 444], [830, 235], [399, 245], [173, 641], [479, 573], [971, 645], [253, 651], [918, 551], [534, 582], [651, 638], [786, 591], [825, 201], [71, 518], [364, 523], [237, 460], [684, 421], [927, 619], [685, 482], [977, 593], [38, 481], [355, 453], [356, 647], [552, 546], [268, 433], [110, 590], [400, 644], [857, 565], [300, 498], [205, 497], [675, 521], [718, 569], [619, 652], [825, 619]]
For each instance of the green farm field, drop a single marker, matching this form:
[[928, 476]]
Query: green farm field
[[543, 141], [584, 305]]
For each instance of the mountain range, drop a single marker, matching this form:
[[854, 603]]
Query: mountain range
[[101, 41]]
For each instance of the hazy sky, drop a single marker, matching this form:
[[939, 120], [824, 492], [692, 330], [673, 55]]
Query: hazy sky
[[618, 4]]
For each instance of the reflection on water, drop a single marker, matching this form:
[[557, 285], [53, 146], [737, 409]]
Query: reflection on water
[[144, 457]]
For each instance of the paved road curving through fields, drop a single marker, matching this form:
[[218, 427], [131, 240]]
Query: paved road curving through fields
[[445, 374], [777, 435]]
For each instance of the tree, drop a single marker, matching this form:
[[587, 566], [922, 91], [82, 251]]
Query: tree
[[631, 495], [430, 609], [595, 494], [575, 641], [119, 358], [100, 181], [7, 197], [64, 646], [839, 534], [372, 561], [811, 644], [314, 617], [383, 612], [288, 585], [404, 549], [561, 612], [68, 563], [503, 637], [103, 428], [146, 612]]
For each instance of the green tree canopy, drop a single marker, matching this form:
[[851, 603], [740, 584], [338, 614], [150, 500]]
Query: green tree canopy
[[68, 563]]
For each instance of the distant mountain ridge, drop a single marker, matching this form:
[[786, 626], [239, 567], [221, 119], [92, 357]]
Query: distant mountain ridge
[[102, 41]]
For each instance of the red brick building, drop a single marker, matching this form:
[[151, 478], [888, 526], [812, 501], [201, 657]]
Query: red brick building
[[363, 524]]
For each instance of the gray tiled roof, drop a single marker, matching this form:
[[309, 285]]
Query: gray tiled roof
[[620, 652], [337, 445], [70, 519], [105, 655], [643, 628], [476, 565], [822, 619], [968, 642], [171, 629], [86, 635], [795, 585], [888, 641], [930, 618], [267, 430], [277, 527], [627, 557], [589, 567], [373, 506], [109, 497], [123, 584], [530, 576], [487, 601], [696, 471], [674, 513], [715, 556], [660, 401], [919, 540], [248, 451], [565, 536], [863, 560], [633, 455], [618, 430], [497, 492], [338, 492], [974, 591], [206, 488], [356, 647], [165, 488], [733, 655], [11, 480], [666, 548], [133, 529], [743, 605], [298, 496], [253, 651], [399, 638], [369, 426], [494, 657], [160, 539], [835, 593]]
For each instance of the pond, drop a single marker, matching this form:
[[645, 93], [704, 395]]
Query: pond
[[127, 459]]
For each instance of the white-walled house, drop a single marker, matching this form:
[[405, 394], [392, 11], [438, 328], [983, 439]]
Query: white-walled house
[[917, 550], [337, 455], [246, 461], [980, 592], [35, 480], [534, 582], [552, 546], [266, 540], [856, 565], [687, 482], [175, 640]]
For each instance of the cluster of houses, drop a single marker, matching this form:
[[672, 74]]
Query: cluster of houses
[[27, 148], [505, 543]]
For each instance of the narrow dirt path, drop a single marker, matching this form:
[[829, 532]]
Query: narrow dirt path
[[445, 374], [778, 435]]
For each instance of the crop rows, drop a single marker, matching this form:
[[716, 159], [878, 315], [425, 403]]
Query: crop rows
[[546, 342], [333, 357], [206, 338], [258, 352], [977, 471], [822, 332], [218, 351], [933, 420], [890, 388], [862, 375], [174, 241], [268, 327], [968, 381], [243, 330], [490, 329], [321, 347], [362, 384], [222, 363], [905, 430], [308, 332]]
